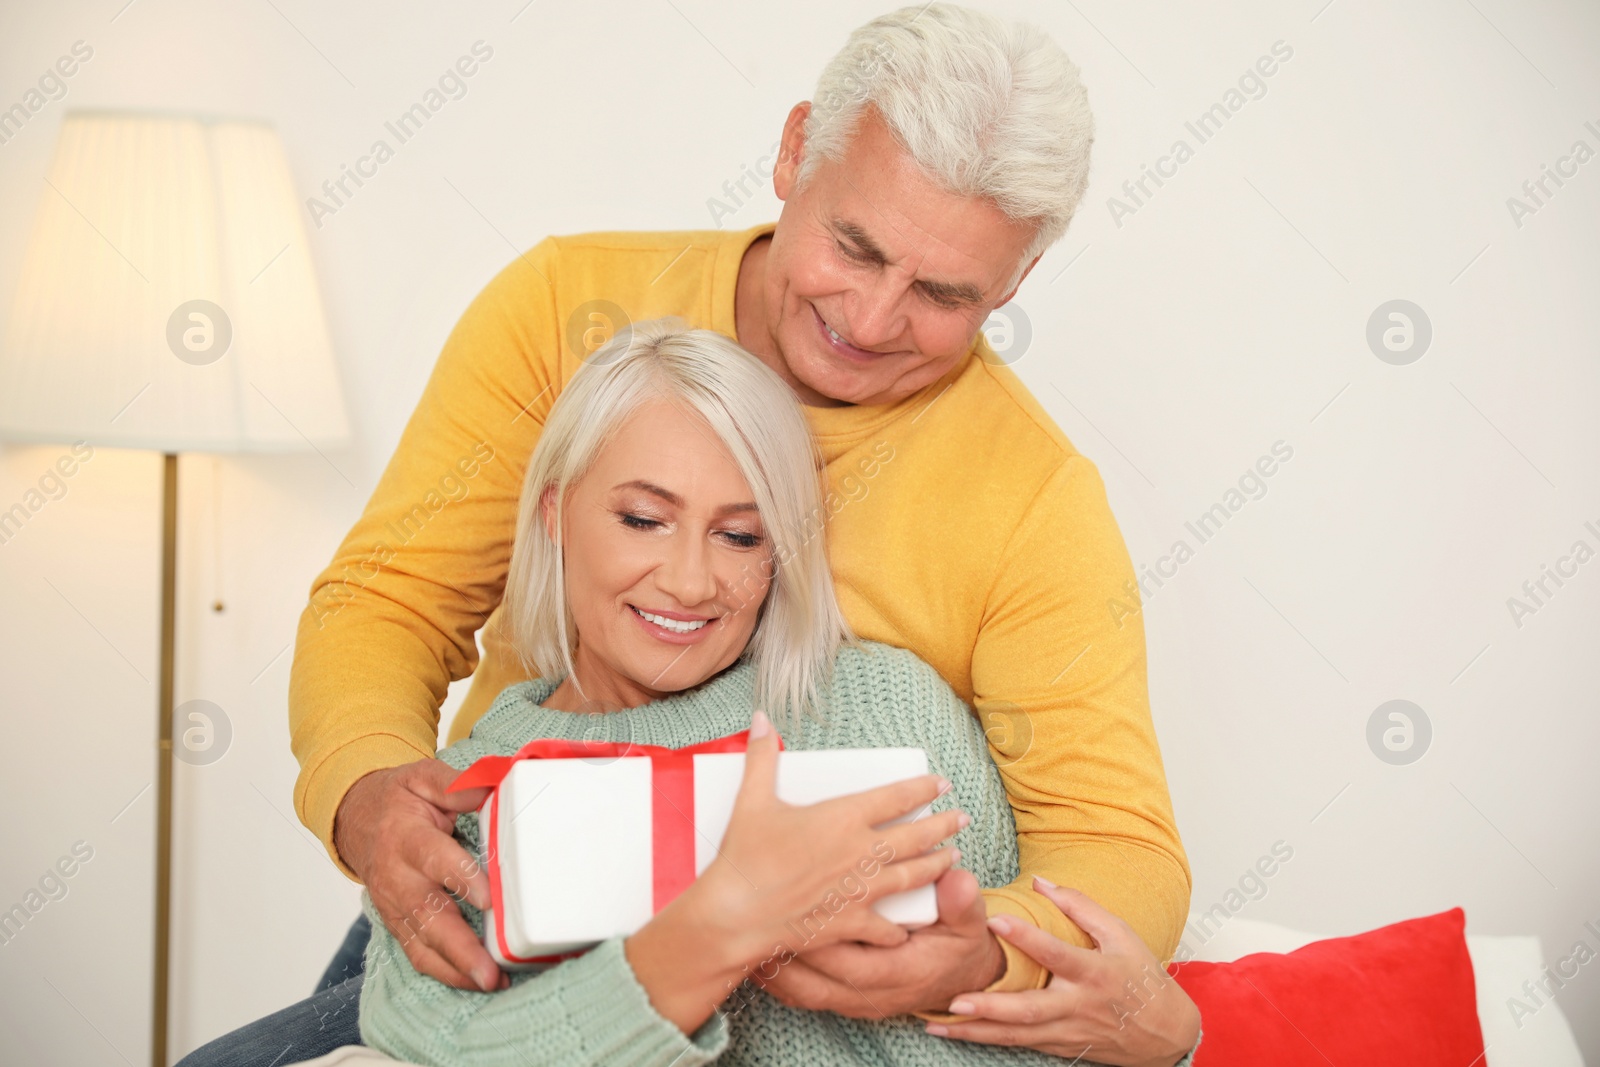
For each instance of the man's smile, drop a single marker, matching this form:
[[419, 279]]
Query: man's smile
[[838, 344]]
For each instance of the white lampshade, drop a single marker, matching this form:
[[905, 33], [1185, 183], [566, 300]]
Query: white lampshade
[[167, 299]]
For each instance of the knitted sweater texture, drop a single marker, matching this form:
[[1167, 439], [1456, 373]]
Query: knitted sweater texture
[[592, 1010]]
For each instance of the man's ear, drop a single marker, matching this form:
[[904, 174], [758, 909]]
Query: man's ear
[[1020, 280], [790, 149]]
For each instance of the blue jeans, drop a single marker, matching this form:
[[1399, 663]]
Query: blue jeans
[[314, 1027]]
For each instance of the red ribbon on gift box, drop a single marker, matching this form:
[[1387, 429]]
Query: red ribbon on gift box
[[671, 810]]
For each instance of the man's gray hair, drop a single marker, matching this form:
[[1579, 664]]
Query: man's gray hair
[[985, 107]]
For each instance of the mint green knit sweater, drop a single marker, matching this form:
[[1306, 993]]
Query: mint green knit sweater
[[592, 1010]]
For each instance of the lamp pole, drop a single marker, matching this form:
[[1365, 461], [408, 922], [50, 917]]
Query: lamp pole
[[169, 612]]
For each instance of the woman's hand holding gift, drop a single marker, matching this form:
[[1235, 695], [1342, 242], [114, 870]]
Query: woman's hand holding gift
[[777, 864]]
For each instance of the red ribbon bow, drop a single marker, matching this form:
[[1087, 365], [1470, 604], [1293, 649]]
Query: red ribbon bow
[[671, 812]]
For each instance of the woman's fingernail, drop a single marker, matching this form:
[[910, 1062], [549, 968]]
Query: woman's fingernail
[[760, 725], [1041, 880], [488, 979], [961, 1007], [944, 786], [1000, 924], [963, 820], [955, 856], [936, 1030]]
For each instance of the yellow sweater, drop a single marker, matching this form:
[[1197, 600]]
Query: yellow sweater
[[964, 526]]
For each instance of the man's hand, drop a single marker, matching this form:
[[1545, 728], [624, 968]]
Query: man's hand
[[956, 953], [1113, 1004], [395, 829]]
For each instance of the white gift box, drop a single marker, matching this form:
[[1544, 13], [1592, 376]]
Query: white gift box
[[570, 843]]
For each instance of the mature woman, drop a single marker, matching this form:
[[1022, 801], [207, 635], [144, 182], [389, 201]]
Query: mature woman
[[669, 579]]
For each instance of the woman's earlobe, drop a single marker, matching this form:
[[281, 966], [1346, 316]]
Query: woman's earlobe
[[547, 512]]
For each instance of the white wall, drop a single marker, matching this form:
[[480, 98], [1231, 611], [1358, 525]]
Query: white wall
[[1226, 313]]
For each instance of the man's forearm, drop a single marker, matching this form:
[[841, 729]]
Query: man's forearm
[[1146, 889], [363, 711], [320, 793]]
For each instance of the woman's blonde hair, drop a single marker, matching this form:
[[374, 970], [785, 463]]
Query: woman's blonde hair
[[799, 626]]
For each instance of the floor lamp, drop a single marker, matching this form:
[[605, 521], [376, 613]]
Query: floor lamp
[[167, 302]]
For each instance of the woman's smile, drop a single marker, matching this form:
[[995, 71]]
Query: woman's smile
[[674, 628]]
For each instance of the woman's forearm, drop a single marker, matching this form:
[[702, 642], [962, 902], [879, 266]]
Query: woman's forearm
[[589, 1009], [685, 963]]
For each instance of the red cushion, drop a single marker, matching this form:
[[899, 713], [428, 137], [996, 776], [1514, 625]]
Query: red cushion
[[1402, 994]]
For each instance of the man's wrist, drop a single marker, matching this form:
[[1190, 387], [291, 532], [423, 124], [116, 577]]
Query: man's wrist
[[327, 777], [353, 857], [979, 974], [995, 962]]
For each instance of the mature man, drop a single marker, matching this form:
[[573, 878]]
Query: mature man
[[944, 152]]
